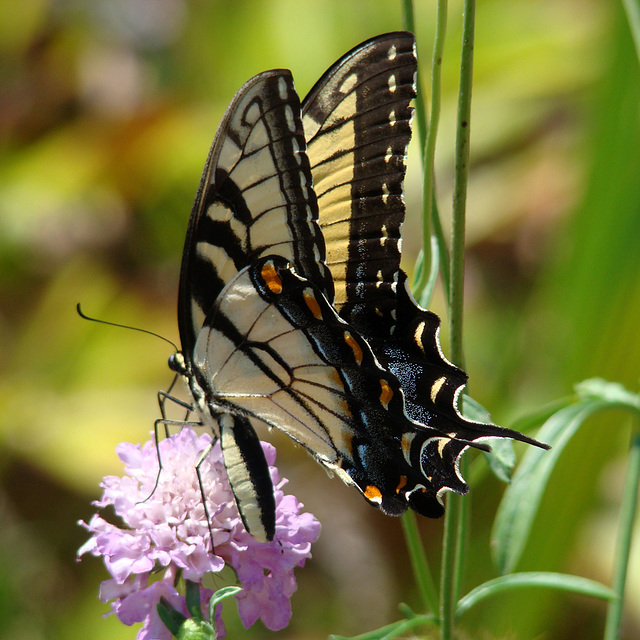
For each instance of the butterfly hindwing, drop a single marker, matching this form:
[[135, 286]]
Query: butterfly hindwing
[[286, 359]]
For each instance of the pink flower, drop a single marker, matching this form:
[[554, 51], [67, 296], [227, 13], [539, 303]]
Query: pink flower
[[165, 531]]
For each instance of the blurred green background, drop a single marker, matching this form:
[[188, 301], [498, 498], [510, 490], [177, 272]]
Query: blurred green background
[[107, 110]]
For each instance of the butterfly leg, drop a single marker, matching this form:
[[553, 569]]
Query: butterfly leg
[[163, 397], [202, 458]]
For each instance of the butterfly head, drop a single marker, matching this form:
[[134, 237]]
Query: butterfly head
[[178, 363]]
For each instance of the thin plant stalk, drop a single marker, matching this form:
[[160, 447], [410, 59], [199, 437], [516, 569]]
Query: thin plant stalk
[[461, 174], [424, 579], [455, 525], [425, 283], [421, 108], [623, 547], [429, 147]]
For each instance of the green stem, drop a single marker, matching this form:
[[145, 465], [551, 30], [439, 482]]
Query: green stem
[[428, 181], [463, 533], [424, 277], [421, 109], [448, 580], [461, 174], [419, 563], [627, 517], [455, 517]]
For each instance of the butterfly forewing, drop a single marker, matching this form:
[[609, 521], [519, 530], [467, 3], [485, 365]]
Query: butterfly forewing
[[357, 121], [255, 198]]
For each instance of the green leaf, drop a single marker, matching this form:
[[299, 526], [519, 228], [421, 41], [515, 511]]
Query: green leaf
[[522, 498], [501, 459], [393, 630], [547, 580], [430, 283], [473, 410], [613, 392]]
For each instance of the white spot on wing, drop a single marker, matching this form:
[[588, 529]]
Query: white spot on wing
[[392, 53], [392, 83], [349, 83], [437, 385], [417, 337], [282, 88], [288, 113]]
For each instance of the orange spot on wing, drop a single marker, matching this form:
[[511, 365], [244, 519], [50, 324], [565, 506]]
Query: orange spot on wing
[[271, 277], [312, 303], [386, 394], [401, 484], [373, 493], [355, 347]]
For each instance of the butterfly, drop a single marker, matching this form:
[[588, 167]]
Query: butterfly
[[292, 308]]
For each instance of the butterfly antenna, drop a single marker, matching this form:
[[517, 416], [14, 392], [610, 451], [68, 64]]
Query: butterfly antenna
[[84, 316]]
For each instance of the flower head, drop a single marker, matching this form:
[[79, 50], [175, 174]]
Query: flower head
[[165, 529]]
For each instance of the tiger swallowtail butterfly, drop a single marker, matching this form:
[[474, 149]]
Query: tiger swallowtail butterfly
[[292, 308]]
